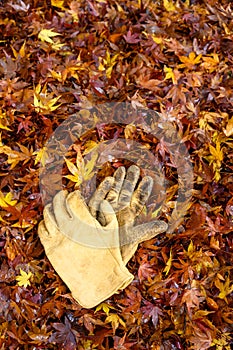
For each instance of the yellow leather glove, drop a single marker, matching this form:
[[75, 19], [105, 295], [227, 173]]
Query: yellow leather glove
[[84, 253], [128, 203]]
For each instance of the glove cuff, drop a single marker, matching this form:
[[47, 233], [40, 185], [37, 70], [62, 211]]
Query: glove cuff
[[118, 279]]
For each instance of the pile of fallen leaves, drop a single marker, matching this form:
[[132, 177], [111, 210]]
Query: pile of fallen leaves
[[62, 57]]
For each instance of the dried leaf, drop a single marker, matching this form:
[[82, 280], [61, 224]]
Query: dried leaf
[[24, 278]]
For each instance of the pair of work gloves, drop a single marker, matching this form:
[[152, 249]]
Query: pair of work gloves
[[90, 245]]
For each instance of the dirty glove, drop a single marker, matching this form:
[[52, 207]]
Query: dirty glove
[[128, 204], [84, 253]]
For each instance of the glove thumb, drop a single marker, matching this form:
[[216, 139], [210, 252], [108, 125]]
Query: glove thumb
[[129, 239], [144, 232]]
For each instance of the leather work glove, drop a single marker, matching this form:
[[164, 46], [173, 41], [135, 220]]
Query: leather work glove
[[128, 203], [84, 253]]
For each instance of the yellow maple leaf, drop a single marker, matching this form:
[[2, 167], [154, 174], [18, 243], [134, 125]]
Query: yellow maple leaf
[[168, 264], [56, 75], [57, 46], [23, 278], [89, 146], [46, 35], [208, 118], [215, 159], [41, 155], [169, 6], [156, 39], [171, 74], [217, 153], [89, 166], [82, 170], [108, 63], [6, 201], [76, 176], [115, 320], [190, 60], [14, 157], [101, 67], [43, 101], [105, 307], [224, 288], [21, 52], [210, 63], [3, 121], [58, 3], [229, 128]]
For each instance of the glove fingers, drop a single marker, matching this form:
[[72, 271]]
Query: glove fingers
[[107, 215], [100, 195], [113, 194], [141, 195], [143, 232], [128, 186]]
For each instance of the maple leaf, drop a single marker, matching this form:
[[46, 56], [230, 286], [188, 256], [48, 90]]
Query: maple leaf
[[190, 61], [41, 156], [228, 131], [224, 288], [177, 93], [23, 278], [105, 307], [210, 63], [208, 118], [131, 38], [169, 6], [56, 75], [83, 170], [58, 3], [192, 298], [216, 159], [201, 340], [217, 153], [222, 341], [21, 52], [107, 63], [90, 146], [46, 35], [3, 121], [168, 264], [145, 270], [147, 83], [157, 39], [97, 63], [172, 74], [76, 176], [14, 157], [25, 124], [6, 201], [64, 334], [39, 334], [43, 101], [57, 45], [120, 343], [153, 311], [115, 320]]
